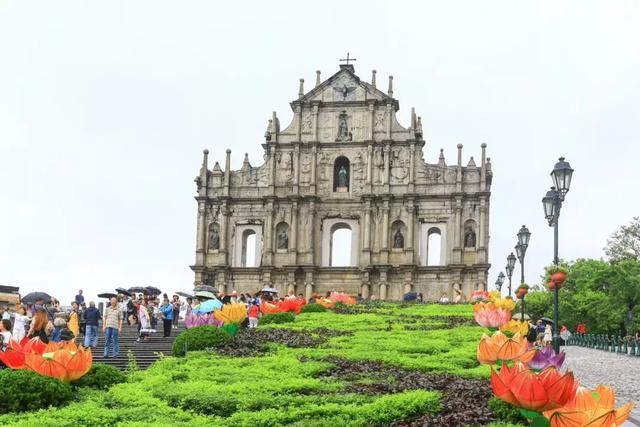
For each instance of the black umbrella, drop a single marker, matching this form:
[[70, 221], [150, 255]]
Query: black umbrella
[[138, 290], [34, 296], [546, 320], [151, 290], [107, 295], [184, 294], [206, 288], [123, 291]]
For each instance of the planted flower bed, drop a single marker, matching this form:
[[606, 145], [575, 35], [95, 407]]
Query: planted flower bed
[[374, 365]]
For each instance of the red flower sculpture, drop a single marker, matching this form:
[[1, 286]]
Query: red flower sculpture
[[533, 391]]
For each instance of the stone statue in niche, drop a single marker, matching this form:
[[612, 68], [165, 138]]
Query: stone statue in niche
[[398, 239], [283, 239], [214, 240], [342, 177], [469, 238], [343, 128]]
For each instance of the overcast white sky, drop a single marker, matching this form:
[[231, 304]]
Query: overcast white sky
[[105, 107]]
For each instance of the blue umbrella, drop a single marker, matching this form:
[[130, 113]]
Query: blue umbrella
[[208, 306]]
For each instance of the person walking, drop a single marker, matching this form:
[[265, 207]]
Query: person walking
[[91, 318], [61, 332], [253, 315], [166, 312], [79, 298], [111, 327], [548, 337], [176, 310], [20, 321], [74, 324], [144, 324]]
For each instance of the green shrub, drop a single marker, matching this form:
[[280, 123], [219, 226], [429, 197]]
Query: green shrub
[[24, 390], [285, 317], [313, 308], [101, 376], [506, 412], [199, 338], [231, 328]]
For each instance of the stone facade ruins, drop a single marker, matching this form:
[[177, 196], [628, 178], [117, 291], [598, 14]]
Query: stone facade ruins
[[345, 163]]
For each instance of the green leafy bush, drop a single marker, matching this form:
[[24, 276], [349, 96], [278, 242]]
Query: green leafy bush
[[285, 317], [313, 308], [231, 328], [199, 338], [506, 412], [101, 376], [24, 390]]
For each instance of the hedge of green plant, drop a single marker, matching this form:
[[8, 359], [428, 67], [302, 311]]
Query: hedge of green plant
[[25, 390], [313, 308], [101, 376], [199, 338], [286, 385], [286, 317]]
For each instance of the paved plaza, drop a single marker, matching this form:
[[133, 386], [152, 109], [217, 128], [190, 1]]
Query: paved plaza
[[595, 367]]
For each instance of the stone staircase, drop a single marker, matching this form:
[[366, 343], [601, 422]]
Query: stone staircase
[[145, 353]]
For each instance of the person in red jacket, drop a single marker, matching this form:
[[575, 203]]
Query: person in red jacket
[[253, 315], [581, 329]]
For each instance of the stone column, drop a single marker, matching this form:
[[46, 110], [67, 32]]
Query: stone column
[[459, 170], [409, 240], [311, 232], [294, 228], [201, 233], [387, 160], [369, 167], [268, 240], [314, 160], [296, 168], [389, 117], [227, 172], [299, 126], [272, 168], [457, 235], [224, 233], [383, 284], [412, 159], [384, 251], [315, 123], [367, 228], [371, 121]]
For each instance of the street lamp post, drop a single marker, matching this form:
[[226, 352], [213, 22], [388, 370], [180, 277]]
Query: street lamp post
[[500, 281], [511, 263], [552, 203], [521, 249]]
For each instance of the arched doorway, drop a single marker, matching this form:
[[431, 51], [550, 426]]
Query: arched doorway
[[434, 246], [249, 248], [340, 245]]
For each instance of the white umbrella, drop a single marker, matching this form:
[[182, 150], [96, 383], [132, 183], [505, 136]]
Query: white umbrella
[[517, 316]]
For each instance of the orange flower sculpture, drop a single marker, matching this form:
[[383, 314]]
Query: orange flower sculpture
[[231, 313], [64, 360], [326, 303], [269, 308], [341, 297], [16, 352], [292, 304], [590, 409], [500, 347], [533, 391]]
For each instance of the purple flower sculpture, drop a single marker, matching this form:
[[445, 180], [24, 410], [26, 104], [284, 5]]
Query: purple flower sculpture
[[547, 357]]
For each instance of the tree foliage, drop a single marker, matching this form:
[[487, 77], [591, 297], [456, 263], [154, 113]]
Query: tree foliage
[[625, 243]]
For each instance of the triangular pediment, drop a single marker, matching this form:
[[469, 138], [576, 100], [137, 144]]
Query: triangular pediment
[[344, 86]]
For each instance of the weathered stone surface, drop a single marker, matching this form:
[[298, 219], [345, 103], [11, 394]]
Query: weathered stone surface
[[345, 161]]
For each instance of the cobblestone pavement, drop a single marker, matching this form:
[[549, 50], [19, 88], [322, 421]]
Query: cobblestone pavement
[[593, 367]]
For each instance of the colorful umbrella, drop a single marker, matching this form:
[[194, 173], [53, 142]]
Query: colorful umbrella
[[208, 306]]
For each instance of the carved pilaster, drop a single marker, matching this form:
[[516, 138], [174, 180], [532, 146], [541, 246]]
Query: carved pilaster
[[268, 246], [296, 168], [200, 233], [412, 159], [315, 123], [293, 247], [314, 161], [387, 160]]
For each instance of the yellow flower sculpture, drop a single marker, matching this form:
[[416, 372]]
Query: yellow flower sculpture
[[500, 347], [231, 313], [513, 327]]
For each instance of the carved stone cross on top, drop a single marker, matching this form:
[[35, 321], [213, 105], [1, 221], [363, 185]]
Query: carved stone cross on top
[[348, 59]]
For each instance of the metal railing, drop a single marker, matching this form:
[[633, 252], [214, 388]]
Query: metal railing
[[614, 343]]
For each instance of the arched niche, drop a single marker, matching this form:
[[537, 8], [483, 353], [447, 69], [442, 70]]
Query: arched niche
[[282, 236], [213, 237], [470, 236], [341, 175], [398, 235]]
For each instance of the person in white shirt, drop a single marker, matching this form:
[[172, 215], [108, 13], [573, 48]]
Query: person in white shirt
[[20, 320]]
